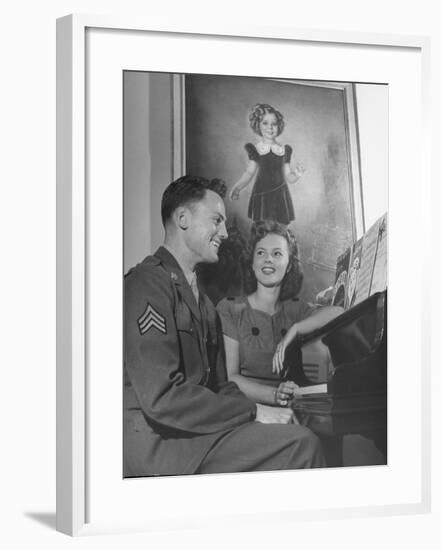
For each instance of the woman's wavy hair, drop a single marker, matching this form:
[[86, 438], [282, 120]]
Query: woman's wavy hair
[[292, 282], [257, 114], [226, 277]]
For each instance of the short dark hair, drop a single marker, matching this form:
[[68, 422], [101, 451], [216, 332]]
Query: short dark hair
[[292, 282], [186, 190], [258, 113]]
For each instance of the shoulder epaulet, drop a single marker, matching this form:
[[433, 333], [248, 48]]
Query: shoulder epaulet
[[152, 260], [148, 262]]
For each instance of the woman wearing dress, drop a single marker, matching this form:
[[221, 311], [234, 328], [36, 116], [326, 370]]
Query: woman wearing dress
[[270, 314]]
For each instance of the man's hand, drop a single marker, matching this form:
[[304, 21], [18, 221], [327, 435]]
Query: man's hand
[[274, 415]]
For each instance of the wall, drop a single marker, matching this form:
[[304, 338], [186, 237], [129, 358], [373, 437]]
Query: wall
[[147, 160], [137, 164], [372, 105]]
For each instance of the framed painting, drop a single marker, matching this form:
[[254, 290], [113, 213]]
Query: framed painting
[[320, 127], [208, 128], [100, 137]]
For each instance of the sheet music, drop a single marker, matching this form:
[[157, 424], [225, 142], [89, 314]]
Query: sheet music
[[379, 281], [353, 274], [369, 249], [315, 388]]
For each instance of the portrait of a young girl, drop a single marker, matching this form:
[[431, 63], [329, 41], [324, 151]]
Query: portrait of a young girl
[[270, 161]]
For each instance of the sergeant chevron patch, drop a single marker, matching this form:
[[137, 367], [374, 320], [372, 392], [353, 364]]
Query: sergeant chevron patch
[[151, 319]]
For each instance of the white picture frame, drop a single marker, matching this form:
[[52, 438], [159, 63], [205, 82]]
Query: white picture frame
[[87, 462]]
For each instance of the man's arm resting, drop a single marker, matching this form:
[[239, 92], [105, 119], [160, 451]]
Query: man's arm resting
[[153, 365]]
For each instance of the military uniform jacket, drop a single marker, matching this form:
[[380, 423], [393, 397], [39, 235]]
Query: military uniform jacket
[[177, 400]]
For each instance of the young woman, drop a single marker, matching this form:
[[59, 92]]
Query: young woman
[[270, 313]]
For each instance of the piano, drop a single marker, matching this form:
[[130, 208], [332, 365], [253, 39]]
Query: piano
[[342, 367]]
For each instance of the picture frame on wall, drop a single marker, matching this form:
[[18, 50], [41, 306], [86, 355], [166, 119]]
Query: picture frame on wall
[[320, 126], [93, 253], [206, 133]]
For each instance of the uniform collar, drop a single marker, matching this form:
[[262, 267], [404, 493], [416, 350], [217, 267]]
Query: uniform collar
[[167, 258], [169, 261]]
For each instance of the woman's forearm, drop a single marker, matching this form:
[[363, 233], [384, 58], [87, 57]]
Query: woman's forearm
[[318, 319], [315, 321], [260, 393]]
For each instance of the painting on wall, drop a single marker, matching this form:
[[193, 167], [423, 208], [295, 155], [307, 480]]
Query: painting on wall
[[288, 151], [304, 172]]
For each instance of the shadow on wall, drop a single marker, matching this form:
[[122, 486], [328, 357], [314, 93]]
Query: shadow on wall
[[45, 518]]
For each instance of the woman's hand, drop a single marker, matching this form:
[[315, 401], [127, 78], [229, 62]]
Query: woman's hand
[[234, 193], [278, 358], [284, 393]]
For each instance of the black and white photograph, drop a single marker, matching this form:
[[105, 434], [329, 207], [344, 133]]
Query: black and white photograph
[[204, 205], [255, 232]]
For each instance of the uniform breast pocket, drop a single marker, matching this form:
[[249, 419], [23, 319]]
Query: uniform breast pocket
[[191, 358], [184, 323]]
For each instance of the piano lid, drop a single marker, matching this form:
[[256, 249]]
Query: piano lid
[[349, 352]]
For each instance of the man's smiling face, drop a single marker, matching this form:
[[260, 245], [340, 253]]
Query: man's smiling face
[[207, 228]]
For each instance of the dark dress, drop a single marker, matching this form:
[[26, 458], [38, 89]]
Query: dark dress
[[270, 199]]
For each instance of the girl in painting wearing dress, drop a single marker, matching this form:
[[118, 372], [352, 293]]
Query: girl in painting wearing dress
[[269, 160]]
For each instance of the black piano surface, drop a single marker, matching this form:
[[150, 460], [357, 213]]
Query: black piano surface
[[349, 355]]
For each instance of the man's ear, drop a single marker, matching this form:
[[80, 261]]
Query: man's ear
[[182, 217]]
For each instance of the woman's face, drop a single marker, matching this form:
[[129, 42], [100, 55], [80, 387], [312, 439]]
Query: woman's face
[[270, 260], [269, 126]]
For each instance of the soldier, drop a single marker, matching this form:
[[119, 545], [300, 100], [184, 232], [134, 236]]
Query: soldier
[[181, 415]]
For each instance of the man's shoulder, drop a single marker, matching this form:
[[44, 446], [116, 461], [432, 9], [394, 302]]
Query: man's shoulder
[[149, 263], [150, 272]]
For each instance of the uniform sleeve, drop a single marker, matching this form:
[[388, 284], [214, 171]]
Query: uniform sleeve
[[251, 151], [228, 318], [152, 357], [287, 153]]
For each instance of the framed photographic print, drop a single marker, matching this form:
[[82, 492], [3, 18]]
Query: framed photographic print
[[128, 124], [209, 127]]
